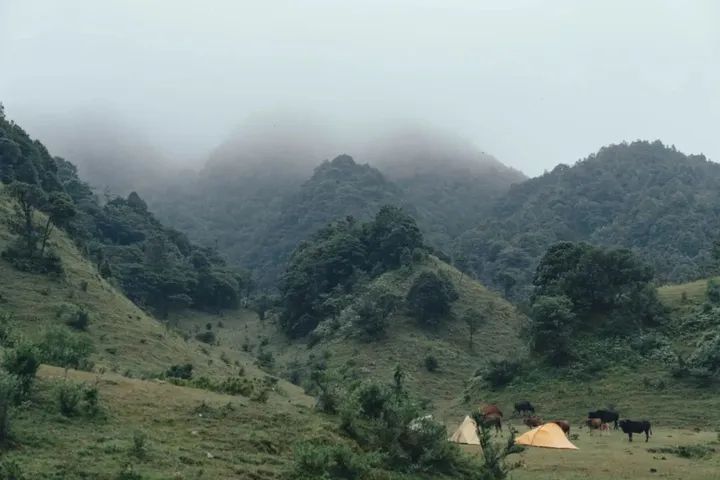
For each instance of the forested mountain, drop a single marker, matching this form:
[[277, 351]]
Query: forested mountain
[[645, 196], [446, 180], [259, 204], [156, 266]]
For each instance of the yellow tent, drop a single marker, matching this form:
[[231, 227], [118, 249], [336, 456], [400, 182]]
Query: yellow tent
[[548, 435], [466, 433]]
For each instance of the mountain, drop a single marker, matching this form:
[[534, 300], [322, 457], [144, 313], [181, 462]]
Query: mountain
[[255, 203], [644, 196]]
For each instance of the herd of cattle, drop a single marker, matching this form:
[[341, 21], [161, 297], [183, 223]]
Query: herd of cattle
[[598, 420]]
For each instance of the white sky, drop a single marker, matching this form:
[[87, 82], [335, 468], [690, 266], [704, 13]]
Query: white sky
[[534, 83]]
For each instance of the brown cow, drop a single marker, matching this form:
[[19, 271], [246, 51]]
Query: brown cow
[[490, 409], [493, 420], [533, 421], [564, 424], [594, 423]]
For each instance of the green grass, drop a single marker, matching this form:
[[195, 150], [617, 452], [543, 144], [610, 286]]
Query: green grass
[[190, 433], [672, 295], [609, 456]]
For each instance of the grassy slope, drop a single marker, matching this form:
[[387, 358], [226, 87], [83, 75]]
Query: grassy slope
[[126, 339], [191, 433], [405, 343], [679, 403]]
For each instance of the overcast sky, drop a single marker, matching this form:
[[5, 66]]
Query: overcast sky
[[534, 83]]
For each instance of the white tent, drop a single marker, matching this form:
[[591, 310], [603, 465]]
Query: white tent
[[466, 433]]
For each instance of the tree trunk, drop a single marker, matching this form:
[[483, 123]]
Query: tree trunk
[[46, 236]]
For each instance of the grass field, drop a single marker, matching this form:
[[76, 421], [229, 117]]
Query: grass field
[[609, 456], [191, 433]]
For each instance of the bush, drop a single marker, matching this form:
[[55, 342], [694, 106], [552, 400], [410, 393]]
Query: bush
[[501, 372], [79, 320], [183, 371], [9, 392], [430, 297], [206, 337], [265, 359], [128, 472], [713, 291], [139, 445], [23, 362], [91, 400], [68, 397], [431, 363], [313, 461], [62, 348], [10, 470]]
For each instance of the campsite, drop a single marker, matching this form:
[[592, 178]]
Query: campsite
[[359, 240], [672, 453]]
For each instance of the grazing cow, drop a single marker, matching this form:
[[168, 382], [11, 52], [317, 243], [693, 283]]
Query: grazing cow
[[606, 416], [533, 421], [491, 410], [493, 420], [524, 407], [564, 424], [630, 427]]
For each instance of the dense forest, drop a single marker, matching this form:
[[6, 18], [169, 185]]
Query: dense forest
[[156, 266], [257, 216], [644, 196]]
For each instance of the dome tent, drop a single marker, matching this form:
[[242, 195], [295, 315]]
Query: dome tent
[[548, 435]]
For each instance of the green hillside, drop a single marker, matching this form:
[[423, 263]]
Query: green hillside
[[404, 344], [645, 196]]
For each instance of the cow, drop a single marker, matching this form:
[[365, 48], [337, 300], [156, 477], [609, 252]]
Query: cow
[[492, 420], [594, 423], [606, 416], [533, 421], [491, 410], [564, 425], [630, 427], [524, 407]]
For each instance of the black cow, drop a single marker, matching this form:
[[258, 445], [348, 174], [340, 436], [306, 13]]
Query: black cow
[[606, 416], [630, 427], [524, 407]]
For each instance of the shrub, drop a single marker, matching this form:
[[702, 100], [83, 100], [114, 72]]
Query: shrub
[[10, 470], [430, 297], [23, 362], [68, 397], [206, 337], [79, 320], [313, 461], [501, 372], [431, 363], [91, 400], [265, 359], [183, 371], [713, 291], [139, 445], [128, 472], [62, 348], [9, 392]]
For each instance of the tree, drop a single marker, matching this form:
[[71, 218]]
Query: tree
[[28, 198], [391, 233], [472, 320], [430, 297], [552, 323], [60, 210]]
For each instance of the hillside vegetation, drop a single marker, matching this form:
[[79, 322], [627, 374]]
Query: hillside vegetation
[[644, 196]]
